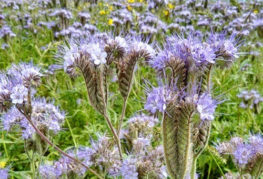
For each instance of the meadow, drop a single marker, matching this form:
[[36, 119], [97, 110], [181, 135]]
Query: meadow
[[131, 89]]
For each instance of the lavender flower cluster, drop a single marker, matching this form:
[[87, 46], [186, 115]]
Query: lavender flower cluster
[[246, 154], [142, 158], [18, 102], [250, 100], [131, 17], [100, 50]]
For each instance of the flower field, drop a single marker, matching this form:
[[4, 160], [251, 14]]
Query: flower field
[[129, 89]]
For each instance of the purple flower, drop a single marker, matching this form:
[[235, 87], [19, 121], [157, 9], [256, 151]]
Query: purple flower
[[96, 52], [11, 118], [143, 120], [4, 173], [250, 98], [243, 154], [138, 46], [257, 142], [47, 171], [160, 61], [19, 94], [27, 129], [47, 115], [6, 31], [224, 47], [206, 107], [61, 13], [128, 169], [202, 53], [157, 100]]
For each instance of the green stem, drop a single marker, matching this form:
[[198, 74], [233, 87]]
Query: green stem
[[43, 137], [71, 133], [220, 169], [122, 115], [33, 166], [115, 135], [193, 170], [4, 144]]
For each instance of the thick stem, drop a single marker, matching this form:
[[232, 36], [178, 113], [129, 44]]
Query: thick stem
[[116, 137], [122, 115], [193, 169], [43, 137]]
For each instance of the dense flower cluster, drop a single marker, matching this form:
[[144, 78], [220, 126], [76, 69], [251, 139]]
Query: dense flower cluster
[[250, 100], [245, 154], [140, 34], [100, 48], [142, 159], [195, 51], [17, 97]]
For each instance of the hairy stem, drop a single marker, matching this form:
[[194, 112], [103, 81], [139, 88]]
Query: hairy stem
[[193, 169], [122, 115], [116, 137], [43, 137]]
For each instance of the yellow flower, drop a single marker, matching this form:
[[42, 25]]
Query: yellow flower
[[2, 164], [129, 7], [110, 21], [100, 4], [130, 1], [102, 12], [110, 8], [170, 6], [166, 12], [141, 1], [255, 11]]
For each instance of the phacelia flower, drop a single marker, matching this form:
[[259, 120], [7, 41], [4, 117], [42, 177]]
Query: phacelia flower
[[97, 54], [47, 171], [128, 169], [157, 100], [243, 154], [4, 173], [257, 142], [224, 47], [250, 99], [19, 94], [206, 107], [203, 53]]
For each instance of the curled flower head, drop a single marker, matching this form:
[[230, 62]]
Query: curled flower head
[[91, 49], [192, 52], [206, 107], [141, 47], [224, 47]]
